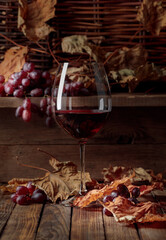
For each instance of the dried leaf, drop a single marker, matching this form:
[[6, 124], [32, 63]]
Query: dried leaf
[[63, 182], [124, 210], [77, 44], [152, 15], [127, 58], [32, 18], [144, 189], [13, 61], [113, 173], [96, 194]]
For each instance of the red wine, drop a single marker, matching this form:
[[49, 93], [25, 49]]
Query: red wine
[[81, 124]]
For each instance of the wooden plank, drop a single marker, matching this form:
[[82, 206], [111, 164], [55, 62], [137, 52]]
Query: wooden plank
[[116, 231], [55, 223], [23, 222], [87, 223], [155, 230], [118, 100], [6, 208], [97, 158], [125, 126]]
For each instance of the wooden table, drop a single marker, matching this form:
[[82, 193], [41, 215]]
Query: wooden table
[[49, 221]]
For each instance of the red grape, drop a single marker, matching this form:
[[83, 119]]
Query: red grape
[[26, 82], [35, 75], [22, 190], [19, 111], [111, 197], [18, 93], [48, 100], [123, 191], [39, 196], [37, 92], [31, 187], [49, 111], [43, 104], [46, 75], [107, 212], [28, 67], [23, 74], [47, 91], [135, 192], [1, 87], [23, 200], [26, 103], [8, 88], [26, 115], [2, 79], [14, 197]]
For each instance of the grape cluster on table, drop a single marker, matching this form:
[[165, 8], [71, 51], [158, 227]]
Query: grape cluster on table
[[122, 191], [28, 194], [30, 82]]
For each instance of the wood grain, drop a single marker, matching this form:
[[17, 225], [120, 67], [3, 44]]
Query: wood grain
[[116, 231], [23, 223], [6, 207], [87, 224], [55, 223], [97, 158], [125, 126]]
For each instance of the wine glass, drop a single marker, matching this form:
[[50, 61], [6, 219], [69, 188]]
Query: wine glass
[[81, 103]]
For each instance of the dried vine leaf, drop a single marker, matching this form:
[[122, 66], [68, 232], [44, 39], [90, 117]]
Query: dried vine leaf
[[113, 173], [127, 58], [62, 182], [32, 18], [124, 210], [77, 44], [152, 15], [14, 60], [96, 194]]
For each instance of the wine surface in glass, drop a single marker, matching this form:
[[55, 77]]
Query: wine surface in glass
[[81, 124]]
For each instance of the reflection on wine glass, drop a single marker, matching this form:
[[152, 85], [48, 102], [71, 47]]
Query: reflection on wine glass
[[81, 103]]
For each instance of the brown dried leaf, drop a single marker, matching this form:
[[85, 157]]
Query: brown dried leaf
[[113, 173], [32, 18], [77, 44], [96, 194], [63, 182], [152, 15], [124, 210], [130, 58], [144, 189], [13, 61]]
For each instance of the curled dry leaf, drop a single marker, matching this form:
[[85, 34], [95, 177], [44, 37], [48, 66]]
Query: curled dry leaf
[[77, 44], [112, 173], [152, 15], [61, 183], [96, 194], [14, 60], [124, 210], [144, 189], [130, 58], [32, 18]]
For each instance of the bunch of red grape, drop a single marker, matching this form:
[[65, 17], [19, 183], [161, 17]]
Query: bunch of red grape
[[29, 82], [122, 191], [29, 194]]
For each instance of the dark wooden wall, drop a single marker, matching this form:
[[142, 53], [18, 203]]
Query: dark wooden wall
[[134, 136]]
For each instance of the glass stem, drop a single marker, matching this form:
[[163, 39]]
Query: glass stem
[[82, 161]]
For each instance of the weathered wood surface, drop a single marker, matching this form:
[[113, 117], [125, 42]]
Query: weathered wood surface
[[133, 136], [54, 221]]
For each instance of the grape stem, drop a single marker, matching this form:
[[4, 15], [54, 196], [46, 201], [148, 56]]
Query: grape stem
[[30, 166]]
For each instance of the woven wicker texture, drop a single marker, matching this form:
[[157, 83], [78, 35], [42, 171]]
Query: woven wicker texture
[[111, 24]]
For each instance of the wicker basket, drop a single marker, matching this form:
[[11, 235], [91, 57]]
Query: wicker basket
[[110, 23]]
